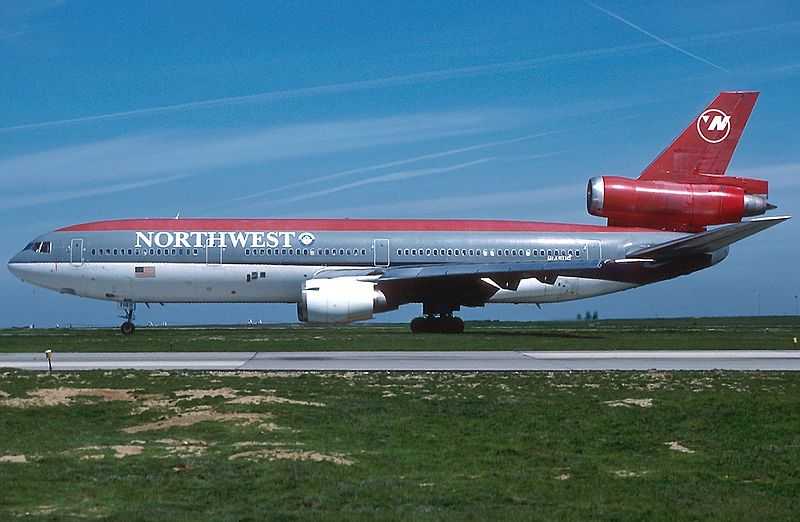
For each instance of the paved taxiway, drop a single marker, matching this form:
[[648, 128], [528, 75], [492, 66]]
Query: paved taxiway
[[414, 361]]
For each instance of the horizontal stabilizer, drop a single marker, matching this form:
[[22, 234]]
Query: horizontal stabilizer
[[706, 242]]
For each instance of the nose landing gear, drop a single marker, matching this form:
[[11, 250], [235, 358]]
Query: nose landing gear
[[127, 328]]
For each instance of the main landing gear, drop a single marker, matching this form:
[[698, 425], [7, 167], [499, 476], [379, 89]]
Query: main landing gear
[[441, 323], [127, 328]]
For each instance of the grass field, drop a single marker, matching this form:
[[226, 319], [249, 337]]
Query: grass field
[[732, 333], [137, 445], [232, 446]]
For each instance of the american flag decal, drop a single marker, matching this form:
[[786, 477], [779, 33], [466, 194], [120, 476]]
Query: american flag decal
[[145, 271]]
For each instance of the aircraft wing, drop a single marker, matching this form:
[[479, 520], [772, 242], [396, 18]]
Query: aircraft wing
[[706, 242], [505, 274]]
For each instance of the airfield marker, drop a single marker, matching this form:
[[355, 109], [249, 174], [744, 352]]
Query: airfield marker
[[49, 354]]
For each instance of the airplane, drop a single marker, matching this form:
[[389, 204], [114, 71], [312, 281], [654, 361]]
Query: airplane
[[343, 270]]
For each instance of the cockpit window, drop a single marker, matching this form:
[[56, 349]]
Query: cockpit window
[[42, 247]]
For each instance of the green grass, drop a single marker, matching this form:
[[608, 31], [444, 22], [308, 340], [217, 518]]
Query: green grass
[[419, 445], [732, 333]]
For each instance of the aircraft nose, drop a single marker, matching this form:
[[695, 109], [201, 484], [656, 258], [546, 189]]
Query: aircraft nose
[[16, 266]]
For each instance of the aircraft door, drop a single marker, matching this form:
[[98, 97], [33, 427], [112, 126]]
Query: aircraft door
[[214, 255], [381, 250], [592, 251], [76, 252]]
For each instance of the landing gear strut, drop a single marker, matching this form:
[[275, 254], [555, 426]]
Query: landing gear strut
[[127, 328], [441, 323]]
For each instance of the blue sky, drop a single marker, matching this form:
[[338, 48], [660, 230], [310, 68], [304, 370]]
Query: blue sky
[[377, 109]]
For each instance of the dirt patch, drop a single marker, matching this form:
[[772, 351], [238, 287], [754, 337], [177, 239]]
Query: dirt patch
[[190, 395], [675, 446], [65, 396], [4, 394], [627, 403], [184, 447], [191, 418], [284, 454], [624, 473], [272, 399], [19, 459], [99, 452]]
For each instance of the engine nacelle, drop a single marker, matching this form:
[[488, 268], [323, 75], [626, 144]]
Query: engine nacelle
[[339, 300], [665, 205]]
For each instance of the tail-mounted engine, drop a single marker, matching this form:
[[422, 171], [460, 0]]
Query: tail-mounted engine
[[339, 300], [680, 207]]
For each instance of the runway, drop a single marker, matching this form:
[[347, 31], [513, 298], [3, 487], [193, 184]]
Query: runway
[[783, 360]]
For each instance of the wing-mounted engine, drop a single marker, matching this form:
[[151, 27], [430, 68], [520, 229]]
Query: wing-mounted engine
[[680, 207], [339, 300]]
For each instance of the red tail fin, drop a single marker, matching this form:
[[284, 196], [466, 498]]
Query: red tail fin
[[705, 147]]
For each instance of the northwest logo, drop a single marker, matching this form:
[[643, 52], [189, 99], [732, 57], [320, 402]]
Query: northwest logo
[[306, 238], [713, 125]]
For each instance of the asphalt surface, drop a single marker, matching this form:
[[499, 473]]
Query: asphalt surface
[[413, 361]]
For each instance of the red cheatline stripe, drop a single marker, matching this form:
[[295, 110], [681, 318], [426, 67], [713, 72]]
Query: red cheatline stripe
[[345, 225]]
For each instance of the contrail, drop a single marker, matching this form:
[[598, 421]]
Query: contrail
[[658, 39], [391, 177], [396, 163], [358, 85]]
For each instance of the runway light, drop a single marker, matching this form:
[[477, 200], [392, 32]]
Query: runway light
[[49, 354], [794, 339]]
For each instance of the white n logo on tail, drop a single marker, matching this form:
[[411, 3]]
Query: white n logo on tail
[[718, 128]]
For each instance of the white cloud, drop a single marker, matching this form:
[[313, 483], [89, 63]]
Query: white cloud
[[165, 154]]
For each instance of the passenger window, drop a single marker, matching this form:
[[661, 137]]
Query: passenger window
[[262, 252], [263, 274], [341, 251], [173, 251], [93, 251], [305, 252], [248, 278], [115, 251], [130, 251]]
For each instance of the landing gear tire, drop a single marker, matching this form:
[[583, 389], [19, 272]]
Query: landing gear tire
[[441, 324], [127, 328]]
